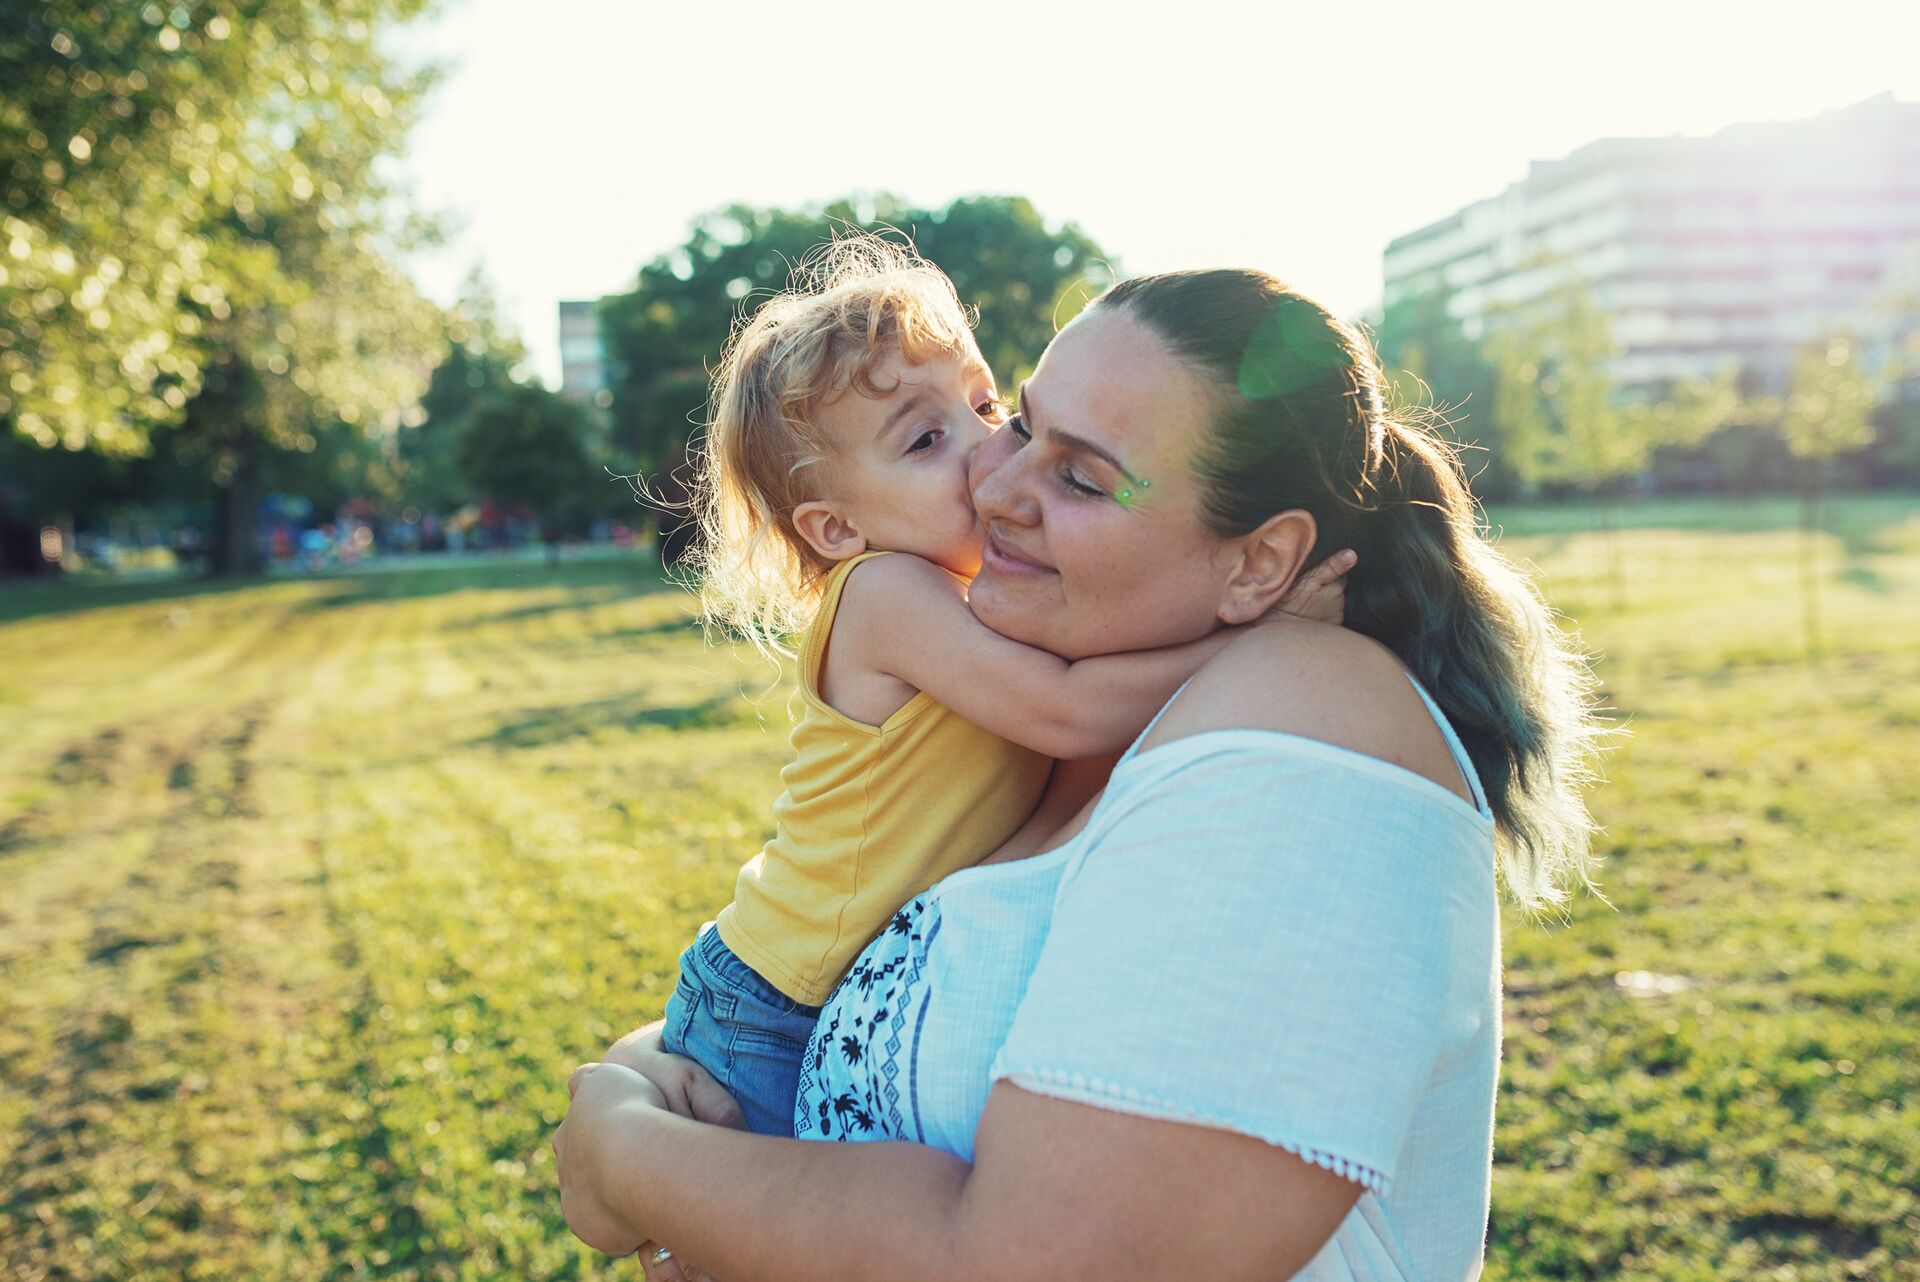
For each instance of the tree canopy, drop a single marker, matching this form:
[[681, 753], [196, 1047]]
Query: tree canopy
[[525, 446], [663, 337]]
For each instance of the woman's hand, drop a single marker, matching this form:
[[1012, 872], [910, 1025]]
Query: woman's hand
[[689, 1089], [609, 1105], [1321, 593]]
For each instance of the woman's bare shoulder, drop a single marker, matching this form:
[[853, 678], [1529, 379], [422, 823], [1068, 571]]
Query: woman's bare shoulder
[[1317, 681]]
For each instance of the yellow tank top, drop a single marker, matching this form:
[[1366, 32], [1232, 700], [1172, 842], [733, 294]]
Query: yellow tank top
[[870, 817]]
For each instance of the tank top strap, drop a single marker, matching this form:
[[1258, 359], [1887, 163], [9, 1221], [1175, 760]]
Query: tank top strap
[[1141, 738], [813, 644], [1459, 750]]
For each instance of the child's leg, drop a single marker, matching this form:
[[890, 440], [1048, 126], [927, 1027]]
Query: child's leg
[[740, 1028]]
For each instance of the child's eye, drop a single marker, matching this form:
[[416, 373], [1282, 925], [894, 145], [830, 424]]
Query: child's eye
[[924, 441], [991, 409]]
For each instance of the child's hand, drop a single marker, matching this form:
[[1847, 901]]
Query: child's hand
[[1321, 593], [689, 1088]]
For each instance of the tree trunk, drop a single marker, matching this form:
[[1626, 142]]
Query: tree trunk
[[1616, 556], [235, 551], [1809, 566]]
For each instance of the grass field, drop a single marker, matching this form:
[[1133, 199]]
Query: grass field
[[312, 890]]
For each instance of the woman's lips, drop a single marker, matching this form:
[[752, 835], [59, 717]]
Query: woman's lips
[[1000, 559]]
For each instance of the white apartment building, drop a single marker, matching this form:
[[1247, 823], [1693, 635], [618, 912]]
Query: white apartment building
[[583, 357], [1733, 249]]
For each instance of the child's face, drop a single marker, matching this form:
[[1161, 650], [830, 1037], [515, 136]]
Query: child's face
[[899, 477]]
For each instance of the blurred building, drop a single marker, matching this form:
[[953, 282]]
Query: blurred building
[[1735, 248], [583, 357]]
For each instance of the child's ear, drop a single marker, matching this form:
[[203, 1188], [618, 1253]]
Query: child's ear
[[827, 532], [1266, 563]]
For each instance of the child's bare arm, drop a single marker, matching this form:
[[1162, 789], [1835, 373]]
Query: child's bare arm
[[910, 620]]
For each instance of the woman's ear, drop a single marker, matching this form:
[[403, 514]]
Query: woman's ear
[[1267, 561], [827, 532]]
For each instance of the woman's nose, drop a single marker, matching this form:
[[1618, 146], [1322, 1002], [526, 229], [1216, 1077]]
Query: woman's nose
[[994, 475]]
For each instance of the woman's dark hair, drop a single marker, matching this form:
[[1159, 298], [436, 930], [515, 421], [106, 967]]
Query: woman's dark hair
[[1302, 422]]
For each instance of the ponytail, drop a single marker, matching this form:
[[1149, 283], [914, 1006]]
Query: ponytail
[[1475, 632]]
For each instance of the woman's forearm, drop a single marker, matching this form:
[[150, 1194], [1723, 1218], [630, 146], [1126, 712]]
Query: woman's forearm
[[749, 1208]]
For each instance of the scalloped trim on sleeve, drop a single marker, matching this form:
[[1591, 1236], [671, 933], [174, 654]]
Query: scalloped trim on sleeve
[[1080, 1088]]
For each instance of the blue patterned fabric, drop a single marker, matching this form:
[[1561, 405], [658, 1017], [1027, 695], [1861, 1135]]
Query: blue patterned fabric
[[853, 1073], [886, 1062]]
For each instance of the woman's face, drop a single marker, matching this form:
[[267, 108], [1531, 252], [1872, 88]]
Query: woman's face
[[1094, 538]]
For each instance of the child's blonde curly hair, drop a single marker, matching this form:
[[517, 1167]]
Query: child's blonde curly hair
[[845, 310]]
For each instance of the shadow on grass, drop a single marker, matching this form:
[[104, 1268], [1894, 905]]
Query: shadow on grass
[[622, 575], [666, 627], [76, 596], [540, 727], [613, 638], [581, 596], [1864, 576], [1859, 521], [599, 580]]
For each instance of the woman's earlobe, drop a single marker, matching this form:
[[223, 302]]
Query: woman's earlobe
[[826, 532], [1269, 559]]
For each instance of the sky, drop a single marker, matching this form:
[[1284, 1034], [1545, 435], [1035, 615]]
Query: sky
[[573, 140]]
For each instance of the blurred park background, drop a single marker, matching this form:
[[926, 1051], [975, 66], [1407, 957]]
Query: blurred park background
[[363, 768]]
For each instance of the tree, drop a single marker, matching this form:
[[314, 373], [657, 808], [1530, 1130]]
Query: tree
[[1894, 319], [482, 358], [199, 240], [524, 445], [1430, 362], [1563, 421], [1024, 278], [1828, 411]]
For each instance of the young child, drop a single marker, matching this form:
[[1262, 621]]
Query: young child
[[834, 504]]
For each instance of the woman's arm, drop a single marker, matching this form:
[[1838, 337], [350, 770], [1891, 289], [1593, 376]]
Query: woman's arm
[[1059, 1191]]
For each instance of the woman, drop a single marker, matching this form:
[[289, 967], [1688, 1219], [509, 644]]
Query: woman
[[1243, 1020]]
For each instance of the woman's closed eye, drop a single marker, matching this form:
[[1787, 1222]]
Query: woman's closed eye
[[1070, 480], [1074, 483]]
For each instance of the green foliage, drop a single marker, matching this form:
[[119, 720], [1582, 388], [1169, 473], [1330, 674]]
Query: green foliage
[[1829, 408], [192, 184], [298, 945], [525, 445], [481, 359], [665, 336], [1432, 364], [1563, 419]]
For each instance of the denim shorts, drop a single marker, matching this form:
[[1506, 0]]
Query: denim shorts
[[743, 1030]]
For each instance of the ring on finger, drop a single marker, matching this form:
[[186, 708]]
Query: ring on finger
[[662, 1255]]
